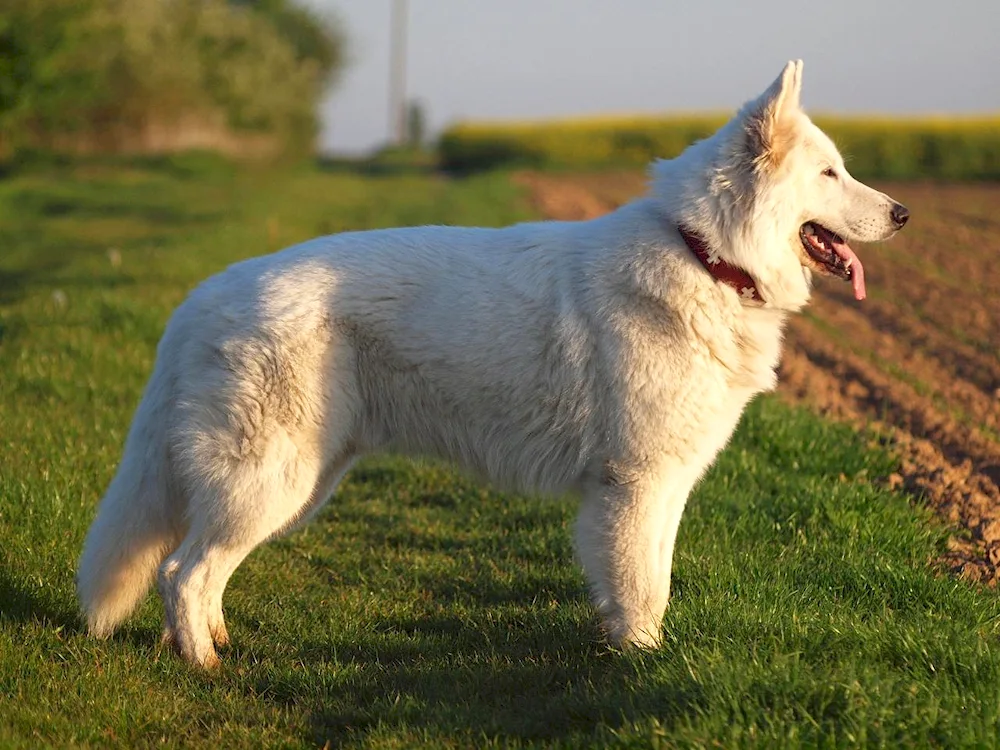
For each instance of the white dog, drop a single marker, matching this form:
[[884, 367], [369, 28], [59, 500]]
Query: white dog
[[611, 357]]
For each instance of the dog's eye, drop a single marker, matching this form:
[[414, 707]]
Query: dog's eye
[[828, 172]]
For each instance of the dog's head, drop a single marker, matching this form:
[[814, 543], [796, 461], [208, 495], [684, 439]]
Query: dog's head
[[780, 202], [799, 169]]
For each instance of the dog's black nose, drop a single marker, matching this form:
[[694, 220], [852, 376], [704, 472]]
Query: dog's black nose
[[899, 214]]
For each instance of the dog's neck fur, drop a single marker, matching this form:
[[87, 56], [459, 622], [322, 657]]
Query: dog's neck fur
[[711, 190]]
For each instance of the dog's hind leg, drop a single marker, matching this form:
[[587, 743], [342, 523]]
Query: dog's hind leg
[[323, 489], [625, 538], [232, 514]]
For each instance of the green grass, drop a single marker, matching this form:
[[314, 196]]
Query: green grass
[[421, 608]]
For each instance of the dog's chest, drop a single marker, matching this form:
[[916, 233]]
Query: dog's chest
[[686, 387], [745, 347], [759, 346]]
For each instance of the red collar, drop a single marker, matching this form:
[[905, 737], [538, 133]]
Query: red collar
[[725, 272]]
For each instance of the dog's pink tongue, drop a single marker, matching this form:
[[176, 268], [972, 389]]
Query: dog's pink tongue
[[857, 270]]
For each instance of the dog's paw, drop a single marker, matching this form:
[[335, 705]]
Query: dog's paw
[[201, 654], [645, 639], [624, 635], [220, 636]]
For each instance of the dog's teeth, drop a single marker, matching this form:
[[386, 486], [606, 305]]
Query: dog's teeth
[[809, 229], [847, 263]]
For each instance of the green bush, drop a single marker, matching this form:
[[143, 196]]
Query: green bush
[[960, 148], [120, 75]]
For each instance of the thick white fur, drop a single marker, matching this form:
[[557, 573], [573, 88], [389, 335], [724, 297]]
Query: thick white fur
[[595, 356]]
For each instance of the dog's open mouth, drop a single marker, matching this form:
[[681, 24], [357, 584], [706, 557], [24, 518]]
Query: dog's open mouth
[[834, 256]]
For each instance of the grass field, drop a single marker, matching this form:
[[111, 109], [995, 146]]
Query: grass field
[[422, 609]]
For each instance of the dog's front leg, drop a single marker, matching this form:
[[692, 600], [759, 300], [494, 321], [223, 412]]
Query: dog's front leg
[[625, 539]]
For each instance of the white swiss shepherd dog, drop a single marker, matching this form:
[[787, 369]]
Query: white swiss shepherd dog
[[611, 358]]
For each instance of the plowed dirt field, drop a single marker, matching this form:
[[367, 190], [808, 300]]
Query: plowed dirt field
[[917, 363]]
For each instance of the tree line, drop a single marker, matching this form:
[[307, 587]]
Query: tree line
[[239, 76]]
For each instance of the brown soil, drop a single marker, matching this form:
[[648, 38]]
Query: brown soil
[[917, 362]]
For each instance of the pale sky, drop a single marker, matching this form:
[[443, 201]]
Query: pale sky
[[499, 59]]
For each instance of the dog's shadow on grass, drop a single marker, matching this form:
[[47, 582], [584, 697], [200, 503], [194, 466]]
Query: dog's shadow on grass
[[23, 604], [544, 677], [481, 655]]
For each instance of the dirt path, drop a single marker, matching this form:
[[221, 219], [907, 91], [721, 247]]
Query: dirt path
[[917, 361]]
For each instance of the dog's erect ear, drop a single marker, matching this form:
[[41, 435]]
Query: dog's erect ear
[[769, 118], [782, 96]]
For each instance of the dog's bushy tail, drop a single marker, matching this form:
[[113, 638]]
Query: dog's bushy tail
[[132, 534]]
